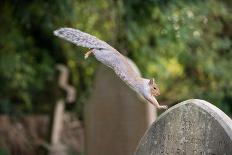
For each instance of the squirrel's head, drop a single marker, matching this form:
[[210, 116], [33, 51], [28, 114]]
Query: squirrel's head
[[154, 90]]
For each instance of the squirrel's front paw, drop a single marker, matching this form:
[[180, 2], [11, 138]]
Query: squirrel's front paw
[[87, 54], [163, 107]]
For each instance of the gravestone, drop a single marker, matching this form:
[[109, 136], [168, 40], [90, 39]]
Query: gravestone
[[193, 127], [115, 117]]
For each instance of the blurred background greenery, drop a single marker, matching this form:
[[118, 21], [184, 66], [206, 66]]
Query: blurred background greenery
[[184, 44]]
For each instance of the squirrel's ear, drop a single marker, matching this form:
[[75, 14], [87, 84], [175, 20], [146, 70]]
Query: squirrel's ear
[[151, 81]]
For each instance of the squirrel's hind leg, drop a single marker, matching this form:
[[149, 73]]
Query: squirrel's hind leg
[[87, 54]]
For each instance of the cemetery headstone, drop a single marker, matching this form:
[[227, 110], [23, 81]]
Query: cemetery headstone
[[115, 117], [193, 127]]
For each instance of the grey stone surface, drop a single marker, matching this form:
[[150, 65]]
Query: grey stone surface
[[115, 117], [193, 127]]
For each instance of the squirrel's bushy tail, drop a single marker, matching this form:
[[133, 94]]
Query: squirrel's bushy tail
[[80, 38]]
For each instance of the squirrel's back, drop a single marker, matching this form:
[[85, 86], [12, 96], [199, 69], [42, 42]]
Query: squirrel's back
[[103, 53], [80, 38]]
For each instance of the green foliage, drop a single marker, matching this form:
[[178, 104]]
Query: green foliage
[[185, 45], [29, 51], [3, 152]]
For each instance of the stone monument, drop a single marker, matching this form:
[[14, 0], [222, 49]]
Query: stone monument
[[115, 117], [193, 127]]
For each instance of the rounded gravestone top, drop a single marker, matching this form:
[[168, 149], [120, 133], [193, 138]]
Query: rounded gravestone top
[[193, 127]]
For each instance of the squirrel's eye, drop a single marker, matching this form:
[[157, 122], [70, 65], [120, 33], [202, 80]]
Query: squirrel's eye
[[154, 88]]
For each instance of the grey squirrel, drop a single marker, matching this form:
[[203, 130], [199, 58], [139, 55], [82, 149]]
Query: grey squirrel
[[115, 60]]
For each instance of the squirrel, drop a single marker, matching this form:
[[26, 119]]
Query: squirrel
[[110, 57]]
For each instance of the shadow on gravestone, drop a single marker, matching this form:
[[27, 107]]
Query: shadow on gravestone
[[193, 127], [115, 117]]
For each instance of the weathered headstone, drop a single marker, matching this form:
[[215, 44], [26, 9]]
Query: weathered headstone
[[115, 117], [193, 127]]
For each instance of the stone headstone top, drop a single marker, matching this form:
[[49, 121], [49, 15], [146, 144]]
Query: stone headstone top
[[193, 127]]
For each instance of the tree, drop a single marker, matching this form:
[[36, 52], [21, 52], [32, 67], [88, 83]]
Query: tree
[[185, 45]]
